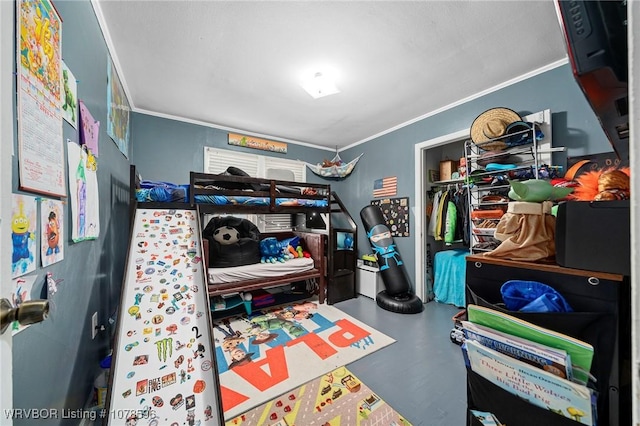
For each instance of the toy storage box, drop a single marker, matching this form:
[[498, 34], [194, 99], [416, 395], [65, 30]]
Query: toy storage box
[[447, 167]]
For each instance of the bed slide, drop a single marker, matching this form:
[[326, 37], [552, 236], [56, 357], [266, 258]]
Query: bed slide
[[163, 368]]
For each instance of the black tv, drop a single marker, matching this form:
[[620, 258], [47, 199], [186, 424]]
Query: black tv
[[314, 220], [596, 37]]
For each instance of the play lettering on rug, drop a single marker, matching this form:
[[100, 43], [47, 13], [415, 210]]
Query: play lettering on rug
[[273, 351]]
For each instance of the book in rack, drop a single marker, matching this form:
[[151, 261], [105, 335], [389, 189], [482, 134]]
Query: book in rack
[[536, 386], [580, 353], [555, 361]]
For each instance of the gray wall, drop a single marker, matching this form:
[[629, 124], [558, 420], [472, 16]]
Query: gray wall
[[55, 362], [167, 150], [574, 126]]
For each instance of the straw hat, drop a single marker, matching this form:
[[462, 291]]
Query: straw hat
[[492, 124]]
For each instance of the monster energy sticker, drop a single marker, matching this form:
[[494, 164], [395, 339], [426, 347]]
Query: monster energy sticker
[[164, 346]]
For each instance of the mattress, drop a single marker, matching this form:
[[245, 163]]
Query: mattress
[[259, 270]]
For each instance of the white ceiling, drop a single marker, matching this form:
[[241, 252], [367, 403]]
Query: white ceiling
[[236, 65]]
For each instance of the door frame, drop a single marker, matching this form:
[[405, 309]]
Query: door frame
[[7, 100], [421, 203]]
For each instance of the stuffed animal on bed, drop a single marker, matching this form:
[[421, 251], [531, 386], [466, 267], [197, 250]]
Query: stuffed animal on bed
[[271, 251]]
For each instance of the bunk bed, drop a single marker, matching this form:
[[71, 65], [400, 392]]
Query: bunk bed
[[231, 194]]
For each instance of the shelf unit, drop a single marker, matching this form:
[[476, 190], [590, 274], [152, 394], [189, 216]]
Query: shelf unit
[[530, 156]]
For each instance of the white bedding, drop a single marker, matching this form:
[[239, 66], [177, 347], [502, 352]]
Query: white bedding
[[259, 270]]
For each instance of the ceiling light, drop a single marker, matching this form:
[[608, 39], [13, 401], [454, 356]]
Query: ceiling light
[[319, 85]]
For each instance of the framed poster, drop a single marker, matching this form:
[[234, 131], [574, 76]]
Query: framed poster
[[117, 111], [396, 214]]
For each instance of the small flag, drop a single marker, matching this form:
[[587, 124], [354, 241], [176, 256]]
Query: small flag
[[385, 187]]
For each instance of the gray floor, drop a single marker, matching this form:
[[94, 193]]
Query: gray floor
[[422, 374]]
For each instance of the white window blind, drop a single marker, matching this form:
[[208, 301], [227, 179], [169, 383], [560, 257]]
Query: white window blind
[[217, 160]]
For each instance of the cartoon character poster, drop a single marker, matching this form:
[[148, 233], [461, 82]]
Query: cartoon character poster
[[40, 140], [51, 232], [83, 193], [117, 111], [89, 130], [21, 293], [23, 234], [69, 96]]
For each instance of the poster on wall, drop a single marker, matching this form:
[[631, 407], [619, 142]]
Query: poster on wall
[[83, 193], [117, 110], [23, 234], [21, 293], [257, 143], [396, 214], [40, 142], [69, 96], [89, 130], [51, 231]]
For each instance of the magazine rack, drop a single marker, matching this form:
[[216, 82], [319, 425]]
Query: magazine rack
[[601, 317]]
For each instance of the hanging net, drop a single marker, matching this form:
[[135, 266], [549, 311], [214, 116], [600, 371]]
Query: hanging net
[[336, 168]]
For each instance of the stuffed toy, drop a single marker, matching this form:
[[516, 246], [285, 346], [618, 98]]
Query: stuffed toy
[[602, 185], [271, 251]]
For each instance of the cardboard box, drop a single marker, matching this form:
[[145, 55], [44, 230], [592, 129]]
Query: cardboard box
[[447, 167]]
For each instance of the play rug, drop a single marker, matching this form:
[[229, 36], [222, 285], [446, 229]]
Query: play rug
[[275, 350], [337, 398]]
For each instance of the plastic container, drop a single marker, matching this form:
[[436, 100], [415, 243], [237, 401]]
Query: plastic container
[[100, 385], [101, 382]]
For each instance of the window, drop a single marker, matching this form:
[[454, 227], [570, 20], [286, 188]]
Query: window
[[217, 160]]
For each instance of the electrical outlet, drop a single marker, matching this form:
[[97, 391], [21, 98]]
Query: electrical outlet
[[94, 325]]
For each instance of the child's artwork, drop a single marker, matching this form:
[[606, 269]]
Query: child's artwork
[[21, 293], [69, 97], [89, 130], [118, 111], [23, 234], [83, 193], [51, 231]]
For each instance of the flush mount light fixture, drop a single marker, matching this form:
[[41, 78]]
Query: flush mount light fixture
[[319, 85]]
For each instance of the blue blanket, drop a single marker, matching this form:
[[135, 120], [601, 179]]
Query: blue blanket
[[449, 277]]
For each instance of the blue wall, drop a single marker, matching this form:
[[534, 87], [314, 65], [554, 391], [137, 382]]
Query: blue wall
[[167, 150], [56, 361], [163, 144], [574, 124]]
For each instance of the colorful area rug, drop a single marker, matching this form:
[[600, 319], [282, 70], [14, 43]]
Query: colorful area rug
[[270, 352], [335, 399]]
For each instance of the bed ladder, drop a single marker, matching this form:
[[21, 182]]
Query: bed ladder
[[342, 244]]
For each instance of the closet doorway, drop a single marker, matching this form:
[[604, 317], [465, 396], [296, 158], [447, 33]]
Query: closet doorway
[[449, 146], [427, 156]]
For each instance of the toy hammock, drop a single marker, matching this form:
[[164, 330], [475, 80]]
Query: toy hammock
[[336, 168]]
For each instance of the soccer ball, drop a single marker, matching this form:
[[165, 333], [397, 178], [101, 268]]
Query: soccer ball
[[226, 235]]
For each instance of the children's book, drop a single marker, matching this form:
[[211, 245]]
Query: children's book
[[580, 353], [486, 418], [555, 361], [532, 384]]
